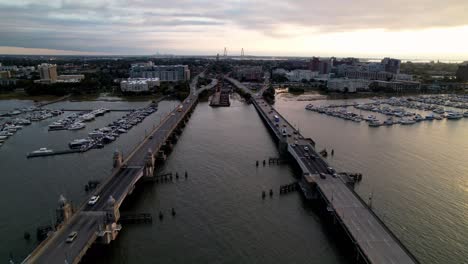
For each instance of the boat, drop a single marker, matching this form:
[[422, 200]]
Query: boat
[[454, 115], [3, 138], [388, 122], [96, 134], [56, 126], [108, 139], [77, 126], [407, 121], [375, 123], [87, 117], [418, 118], [6, 133], [121, 130], [430, 117], [465, 114], [42, 151], [78, 143], [438, 117]]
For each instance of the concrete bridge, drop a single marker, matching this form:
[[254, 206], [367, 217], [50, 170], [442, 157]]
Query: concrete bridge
[[373, 241], [98, 223]]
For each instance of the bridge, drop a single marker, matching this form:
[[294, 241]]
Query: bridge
[[374, 242], [99, 223]]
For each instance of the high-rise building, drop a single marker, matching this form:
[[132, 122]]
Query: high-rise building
[[48, 72], [391, 65], [165, 73], [320, 65], [462, 73]]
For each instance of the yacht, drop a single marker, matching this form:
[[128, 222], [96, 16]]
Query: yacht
[[388, 122], [375, 123], [418, 118], [407, 121], [108, 139], [2, 138], [6, 133], [42, 151], [454, 115], [122, 130], [87, 117], [77, 126], [78, 143], [56, 126], [430, 117], [96, 134], [438, 117]]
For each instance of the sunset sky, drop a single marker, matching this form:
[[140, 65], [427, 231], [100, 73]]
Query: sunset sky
[[417, 29]]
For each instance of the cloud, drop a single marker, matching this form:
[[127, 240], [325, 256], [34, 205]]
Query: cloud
[[137, 26]]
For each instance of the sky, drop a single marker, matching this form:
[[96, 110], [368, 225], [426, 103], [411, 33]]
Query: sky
[[415, 29]]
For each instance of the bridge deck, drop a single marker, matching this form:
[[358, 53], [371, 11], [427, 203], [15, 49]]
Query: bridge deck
[[88, 219], [376, 242]]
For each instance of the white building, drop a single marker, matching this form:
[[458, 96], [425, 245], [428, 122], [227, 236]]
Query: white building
[[299, 75], [70, 78], [347, 85], [403, 77], [48, 72], [137, 85], [165, 73], [280, 71]]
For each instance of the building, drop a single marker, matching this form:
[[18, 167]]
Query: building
[[138, 85], [5, 75], [12, 68], [299, 75], [48, 72], [396, 86], [347, 85], [71, 78], [248, 73], [391, 65], [320, 66], [368, 75], [165, 73], [403, 77], [462, 73], [6, 82]]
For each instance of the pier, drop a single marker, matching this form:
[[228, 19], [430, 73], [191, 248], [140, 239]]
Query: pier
[[100, 222], [372, 240]]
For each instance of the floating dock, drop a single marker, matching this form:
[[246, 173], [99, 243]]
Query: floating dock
[[53, 153]]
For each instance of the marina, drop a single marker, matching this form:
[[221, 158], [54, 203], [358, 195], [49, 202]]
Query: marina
[[76, 121], [395, 110]]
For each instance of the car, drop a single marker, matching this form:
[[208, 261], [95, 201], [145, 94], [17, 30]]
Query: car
[[150, 137], [331, 170], [306, 148], [284, 125], [276, 125], [295, 131], [323, 175], [93, 200], [335, 175], [306, 155], [72, 236]]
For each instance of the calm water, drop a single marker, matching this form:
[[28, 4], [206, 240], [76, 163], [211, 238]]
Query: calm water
[[418, 176]]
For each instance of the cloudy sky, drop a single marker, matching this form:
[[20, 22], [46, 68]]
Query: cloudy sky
[[364, 28]]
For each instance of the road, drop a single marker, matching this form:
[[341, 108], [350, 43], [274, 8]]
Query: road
[[88, 219], [374, 239]]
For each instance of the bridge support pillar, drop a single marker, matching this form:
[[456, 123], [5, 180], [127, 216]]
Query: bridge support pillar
[[162, 156], [148, 169], [283, 147], [174, 138], [110, 229], [64, 211], [118, 159]]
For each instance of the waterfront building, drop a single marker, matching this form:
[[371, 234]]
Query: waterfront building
[[369, 75], [48, 72], [299, 75], [165, 73], [462, 73], [71, 78], [391, 65], [347, 85], [138, 85], [322, 66], [5, 75], [248, 73], [396, 86]]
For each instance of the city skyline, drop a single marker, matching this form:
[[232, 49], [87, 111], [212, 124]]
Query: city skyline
[[367, 29]]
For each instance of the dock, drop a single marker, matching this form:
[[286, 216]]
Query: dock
[[53, 153]]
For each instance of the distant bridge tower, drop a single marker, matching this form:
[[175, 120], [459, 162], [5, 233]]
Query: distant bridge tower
[[118, 159], [242, 53], [148, 169], [225, 52], [217, 57]]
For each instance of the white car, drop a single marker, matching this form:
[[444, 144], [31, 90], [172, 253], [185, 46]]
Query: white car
[[71, 237], [93, 200], [306, 148]]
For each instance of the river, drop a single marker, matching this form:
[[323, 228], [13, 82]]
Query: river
[[417, 174]]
